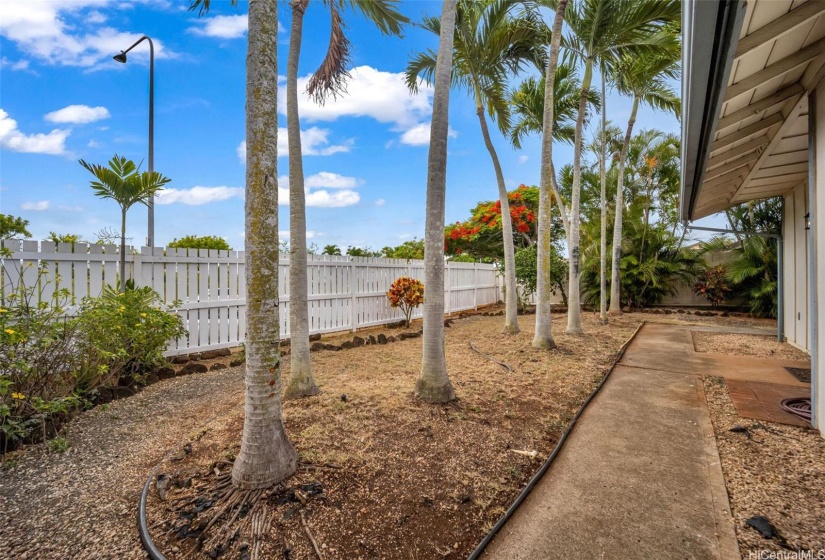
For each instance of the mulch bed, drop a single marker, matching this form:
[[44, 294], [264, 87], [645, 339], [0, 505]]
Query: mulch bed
[[773, 471], [384, 475], [754, 345]]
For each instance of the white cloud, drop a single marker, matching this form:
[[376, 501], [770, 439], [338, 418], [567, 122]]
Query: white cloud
[[38, 206], [222, 27], [380, 202], [522, 159], [11, 138], [71, 208], [48, 30], [336, 199], [78, 114], [14, 65], [419, 135], [314, 142], [325, 179], [197, 196], [405, 236], [383, 96], [93, 144]]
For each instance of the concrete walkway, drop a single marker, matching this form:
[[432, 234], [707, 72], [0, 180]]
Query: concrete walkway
[[639, 477]]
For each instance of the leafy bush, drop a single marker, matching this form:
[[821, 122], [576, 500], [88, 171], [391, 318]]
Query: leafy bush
[[712, 284], [527, 273], [51, 365], [38, 360], [200, 242], [13, 227], [128, 331], [406, 293]]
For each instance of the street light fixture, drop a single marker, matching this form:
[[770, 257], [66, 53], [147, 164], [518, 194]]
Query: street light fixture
[[150, 237]]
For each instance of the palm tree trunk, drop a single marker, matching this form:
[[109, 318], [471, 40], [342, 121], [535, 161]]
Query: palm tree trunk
[[301, 382], [615, 281], [267, 456], [565, 222], [574, 323], [510, 295], [543, 337], [434, 384], [603, 232], [123, 250]]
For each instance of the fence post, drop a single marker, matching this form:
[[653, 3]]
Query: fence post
[[137, 265], [447, 287], [353, 304], [475, 286]]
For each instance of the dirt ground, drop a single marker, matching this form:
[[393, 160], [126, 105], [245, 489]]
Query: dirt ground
[[772, 470], [403, 479], [746, 345]]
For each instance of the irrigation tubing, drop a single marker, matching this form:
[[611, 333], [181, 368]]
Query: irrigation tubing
[[479, 550], [799, 407], [143, 529]]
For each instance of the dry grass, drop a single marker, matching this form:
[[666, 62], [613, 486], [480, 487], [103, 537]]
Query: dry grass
[[754, 345], [778, 472], [417, 481]]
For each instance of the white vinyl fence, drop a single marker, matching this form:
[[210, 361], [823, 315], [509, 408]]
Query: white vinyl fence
[[345, 293]]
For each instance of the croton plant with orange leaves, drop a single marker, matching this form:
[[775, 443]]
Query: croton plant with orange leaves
[[406, 293]]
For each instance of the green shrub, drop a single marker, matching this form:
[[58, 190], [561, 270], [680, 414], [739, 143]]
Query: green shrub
[[200, 242], [127, 331], [38, 361]]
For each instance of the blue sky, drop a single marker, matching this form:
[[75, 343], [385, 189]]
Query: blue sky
[[62, 97]]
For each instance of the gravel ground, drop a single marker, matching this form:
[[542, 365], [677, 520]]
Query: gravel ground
[[746, 345], [778, 472], [81, 503]]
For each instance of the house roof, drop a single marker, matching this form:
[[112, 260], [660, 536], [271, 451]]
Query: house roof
[[748, 68]]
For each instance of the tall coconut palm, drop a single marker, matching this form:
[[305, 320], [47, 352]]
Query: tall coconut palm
[[327, 80], [644, 78], [528, 101], [126, 185], [601, 31], [267, 456], [434, 384], [603, 201], [491, 41], [543, 337]]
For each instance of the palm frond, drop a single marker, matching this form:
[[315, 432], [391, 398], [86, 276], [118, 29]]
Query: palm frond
[[330, 78]]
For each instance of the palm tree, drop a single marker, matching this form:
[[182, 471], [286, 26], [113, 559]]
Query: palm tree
[[329, 79], [602, 31], [603, 201], [642, 77], [267, 456], [490, 42], [126, 185], [434, 384], [543, 337]]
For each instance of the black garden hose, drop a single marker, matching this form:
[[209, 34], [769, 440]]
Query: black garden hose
[[488, 538], [143, 529]]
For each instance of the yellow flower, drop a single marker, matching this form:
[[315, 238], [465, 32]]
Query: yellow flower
[[143, 315], [18, 396], [137, 324], [9, 331], [3, 310], [122, 308]]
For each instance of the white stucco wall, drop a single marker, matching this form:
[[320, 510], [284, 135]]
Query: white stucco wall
[[817, 236], [796, 272]]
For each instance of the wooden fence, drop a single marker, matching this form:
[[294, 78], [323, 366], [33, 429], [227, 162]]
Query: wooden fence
[[207, 287]]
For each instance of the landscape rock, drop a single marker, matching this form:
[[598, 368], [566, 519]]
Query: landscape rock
[[212, 354], [316, 347], [382, 338], [217, 366], [405, 336], [314, 337], [358, 341], [346, 345], [334, 347], [151, 378], [166, 372], [372, 340], [180, 360], [239, 361], [391, 339], [193, 367]]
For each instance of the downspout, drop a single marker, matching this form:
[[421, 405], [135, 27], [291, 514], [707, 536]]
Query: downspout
[[780, 249]]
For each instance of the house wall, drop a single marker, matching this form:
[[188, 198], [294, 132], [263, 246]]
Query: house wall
[[817, 237], [796, 271]]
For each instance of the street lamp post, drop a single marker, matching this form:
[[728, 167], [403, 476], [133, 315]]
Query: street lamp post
[[150, 236]]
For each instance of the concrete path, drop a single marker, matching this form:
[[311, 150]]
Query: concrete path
[[640, 475]]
